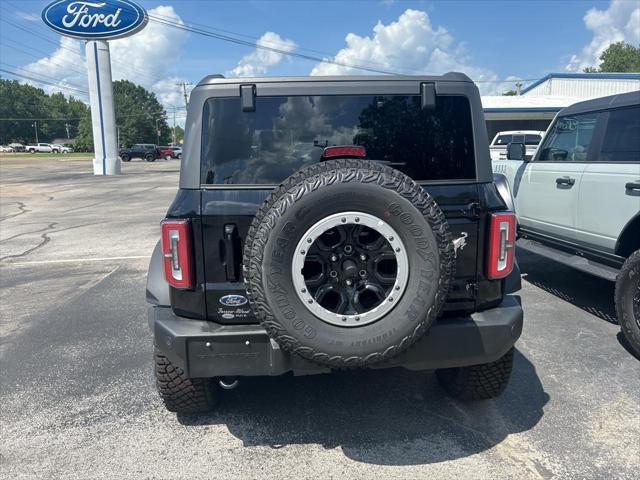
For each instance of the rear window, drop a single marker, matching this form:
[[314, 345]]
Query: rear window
[[532, 139], [284, 134], [503, 140]]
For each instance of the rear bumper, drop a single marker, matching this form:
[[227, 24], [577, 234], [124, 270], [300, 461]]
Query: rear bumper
[[207, 349]]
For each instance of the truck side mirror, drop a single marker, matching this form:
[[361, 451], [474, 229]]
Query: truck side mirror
[[516, 151]]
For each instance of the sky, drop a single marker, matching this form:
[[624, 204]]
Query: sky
[[494, 42]]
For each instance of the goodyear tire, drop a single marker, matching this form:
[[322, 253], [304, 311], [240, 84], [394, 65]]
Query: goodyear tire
[[348, 263]]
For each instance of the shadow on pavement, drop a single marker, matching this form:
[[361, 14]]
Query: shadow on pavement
[[385, 417], [587, 292]]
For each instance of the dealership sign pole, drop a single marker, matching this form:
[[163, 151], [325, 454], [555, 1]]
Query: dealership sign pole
[[96, 22]]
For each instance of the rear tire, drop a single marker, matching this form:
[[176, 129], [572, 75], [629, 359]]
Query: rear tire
[[627, 299], [125, 158], [179, 393], [150, 158], [167, 157], [477, 382]]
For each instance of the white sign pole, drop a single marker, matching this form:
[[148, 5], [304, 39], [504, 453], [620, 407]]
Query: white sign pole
[[106, 160]]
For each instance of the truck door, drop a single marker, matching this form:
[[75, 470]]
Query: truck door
[[547, 199], [610, 191]]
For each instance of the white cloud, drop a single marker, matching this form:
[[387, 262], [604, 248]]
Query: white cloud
[[410, 44], [620, 22], [147, 58], [260, 60]]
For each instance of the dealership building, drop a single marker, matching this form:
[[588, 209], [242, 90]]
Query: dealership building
[[539, 102]]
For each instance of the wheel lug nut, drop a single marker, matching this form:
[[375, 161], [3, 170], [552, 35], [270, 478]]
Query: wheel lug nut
[[357, 219], [309, 301], [363, 257], [397, 249], [397, 287], [391, 299], [343, 220], [304, 290], [344, 319], [391, 239], [309, 240], [363, 273], [333, 274], [357, 319], [334, 258], [302, 252], [348, 282]]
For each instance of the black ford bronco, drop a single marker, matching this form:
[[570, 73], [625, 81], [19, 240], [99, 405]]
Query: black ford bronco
[[334, 222]]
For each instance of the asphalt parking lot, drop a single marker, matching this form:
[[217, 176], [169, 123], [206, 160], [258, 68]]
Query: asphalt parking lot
[[77, 398]]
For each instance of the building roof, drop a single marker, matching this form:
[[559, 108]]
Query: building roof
[[504, 103], [618, 82]]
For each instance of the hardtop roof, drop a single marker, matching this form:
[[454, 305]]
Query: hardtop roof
[[447, 77], [602, 103]]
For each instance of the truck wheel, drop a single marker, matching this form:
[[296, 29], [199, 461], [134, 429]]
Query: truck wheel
[[31, 150], [349, 263], [125, 157], [477, 382], [150, 158], [179, 393], [627, 299], [167, 157]]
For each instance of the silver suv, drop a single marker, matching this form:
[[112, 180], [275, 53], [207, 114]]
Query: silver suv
[[578, 199]]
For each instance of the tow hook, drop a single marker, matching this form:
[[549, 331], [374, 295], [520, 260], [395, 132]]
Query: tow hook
[[228, 383], [459, 243]]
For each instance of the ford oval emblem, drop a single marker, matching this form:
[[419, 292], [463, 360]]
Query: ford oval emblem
[[233, 300], [95, 20]]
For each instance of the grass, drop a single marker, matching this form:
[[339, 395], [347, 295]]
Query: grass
[[48, 155]]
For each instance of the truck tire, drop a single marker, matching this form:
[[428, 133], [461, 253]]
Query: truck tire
[[150, 158], [32, 150], [627, 300], [380, 260], [125, 157], [477, 382], [179, 393]]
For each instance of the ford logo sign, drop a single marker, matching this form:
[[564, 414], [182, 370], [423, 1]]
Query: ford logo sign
[[95, 20], [233, 300]]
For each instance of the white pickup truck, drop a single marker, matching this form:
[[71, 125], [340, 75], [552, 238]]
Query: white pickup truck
[[41, 148], [577, 201], [47, 148], [530, 138]]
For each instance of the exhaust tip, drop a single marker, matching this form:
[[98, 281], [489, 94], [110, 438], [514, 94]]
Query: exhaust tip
[[228, 383]]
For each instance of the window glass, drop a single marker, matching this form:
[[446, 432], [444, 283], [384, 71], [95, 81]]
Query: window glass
[[621, 141], [503, 140], [569, 139], [532, 139], [284, 134], [518, 139]]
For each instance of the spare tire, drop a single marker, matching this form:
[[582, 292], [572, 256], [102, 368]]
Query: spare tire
[[348, 263]]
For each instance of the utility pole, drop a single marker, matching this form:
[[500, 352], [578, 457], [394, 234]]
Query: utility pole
[[184, 92], [35, 125], [157, 131], [518, 87], [174, 126], [66, 126]]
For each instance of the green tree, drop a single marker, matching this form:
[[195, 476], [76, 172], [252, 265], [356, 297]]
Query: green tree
[[510, 93], [179, 134], [138, 111], [618, 57], [21, 105]]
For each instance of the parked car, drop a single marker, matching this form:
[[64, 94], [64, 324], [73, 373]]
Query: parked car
[[366, 245], [17, 147], [147, 151], [41, 148], [530, 138], [4, 149], [578, 199], [169, 153], [58, 148]]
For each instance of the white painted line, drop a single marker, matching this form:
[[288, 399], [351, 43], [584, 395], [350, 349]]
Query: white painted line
[[79, 260]]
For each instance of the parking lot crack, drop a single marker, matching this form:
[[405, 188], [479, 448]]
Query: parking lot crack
[[23, 209]]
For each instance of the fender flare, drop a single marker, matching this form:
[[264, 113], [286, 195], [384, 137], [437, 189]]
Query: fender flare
[[157, 286]]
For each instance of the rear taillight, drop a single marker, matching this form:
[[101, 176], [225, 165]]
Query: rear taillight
[[344, 151], [176, 251], [502, 238]]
